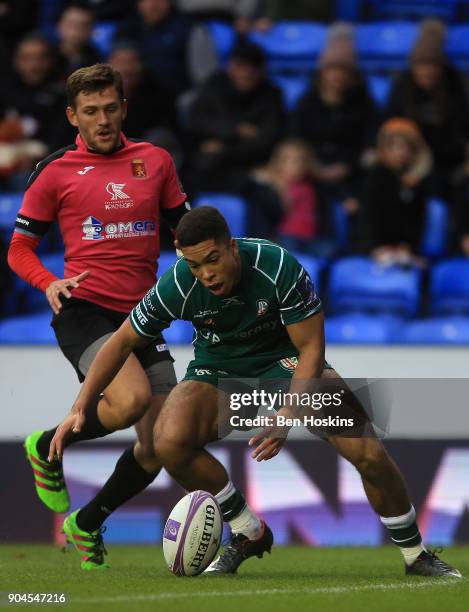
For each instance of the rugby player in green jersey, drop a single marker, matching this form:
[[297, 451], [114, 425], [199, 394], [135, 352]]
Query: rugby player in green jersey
[[255, 314]]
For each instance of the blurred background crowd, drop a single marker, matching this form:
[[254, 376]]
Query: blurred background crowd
[[335, 128]]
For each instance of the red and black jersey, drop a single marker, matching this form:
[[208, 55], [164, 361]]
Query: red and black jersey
[[108, 209]]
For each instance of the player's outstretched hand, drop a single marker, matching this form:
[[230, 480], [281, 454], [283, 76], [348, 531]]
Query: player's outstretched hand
[[72, 423], [268, 443], [60, 287]]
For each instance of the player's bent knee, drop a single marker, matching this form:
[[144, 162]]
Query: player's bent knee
[[373, 463], [130, 407]]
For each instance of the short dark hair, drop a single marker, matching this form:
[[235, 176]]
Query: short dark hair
[[91, 79], [250, 54], [202, 223]]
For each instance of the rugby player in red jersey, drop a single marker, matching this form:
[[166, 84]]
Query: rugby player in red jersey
[[107, 194]]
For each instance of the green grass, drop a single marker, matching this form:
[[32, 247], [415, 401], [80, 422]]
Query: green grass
[[291, 579]]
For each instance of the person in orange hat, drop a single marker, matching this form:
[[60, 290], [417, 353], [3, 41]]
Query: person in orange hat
[[395, 193]]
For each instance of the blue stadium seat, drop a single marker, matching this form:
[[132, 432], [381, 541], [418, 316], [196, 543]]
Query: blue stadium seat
[[10, 203], [102, 37], [385, 45], [179, 332], [457, 45], [224, 37], [291, 45], [231, 206], [293, 87], [439, 330], [360, 284], [449, 287], [435, 232], [29, 329], [312, 265], [413, 9], [360, 328], [165, 261], [31, 299], [379, 86]]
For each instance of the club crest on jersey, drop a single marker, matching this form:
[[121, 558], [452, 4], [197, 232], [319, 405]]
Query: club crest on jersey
[[262, 307], [138, 168], [115, 191], [289, 363]]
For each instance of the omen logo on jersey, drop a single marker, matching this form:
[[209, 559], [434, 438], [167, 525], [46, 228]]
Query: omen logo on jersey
[[95, 230]]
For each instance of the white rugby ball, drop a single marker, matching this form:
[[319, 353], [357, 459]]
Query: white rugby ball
[[192, 534]]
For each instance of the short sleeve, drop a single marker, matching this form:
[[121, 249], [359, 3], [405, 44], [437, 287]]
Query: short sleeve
[[172, 193], [296, 293], [160, 306]]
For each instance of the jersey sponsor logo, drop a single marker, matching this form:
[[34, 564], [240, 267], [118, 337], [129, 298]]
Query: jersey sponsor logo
[[138, 168], [115, 191], [202, 372], [85, 170], [210, 336], [161, 347], [258, 329], [206, 313], [22, 221], [306, 290], [140, 316], [118, 205], [262, 307], [232, 301], [289, 363], [95, 230]]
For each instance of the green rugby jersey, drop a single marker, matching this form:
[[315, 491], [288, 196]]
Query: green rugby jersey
[[245, 330]]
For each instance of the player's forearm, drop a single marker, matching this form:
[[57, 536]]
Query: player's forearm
[[307, 372], [107, 363], [23, 260]]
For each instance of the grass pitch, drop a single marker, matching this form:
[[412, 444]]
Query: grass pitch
[[292, 579]]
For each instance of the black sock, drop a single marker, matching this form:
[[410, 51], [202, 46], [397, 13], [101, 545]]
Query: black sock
[[93, 428], [128, 479], [233, 506]]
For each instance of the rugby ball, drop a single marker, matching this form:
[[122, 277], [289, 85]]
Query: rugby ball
[[192, 534]]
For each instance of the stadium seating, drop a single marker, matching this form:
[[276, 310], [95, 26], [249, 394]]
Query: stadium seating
[[231, 206], [385, 45], [179, 332], [293, 87], [360, 328], [435, 233], [10, 203], [439, 330], [291, 45], [412, 9], [457, 45], [223, 37], [30, 329], [102, 36], [449, 287], [313, 266], [360, 284], [379, 87]]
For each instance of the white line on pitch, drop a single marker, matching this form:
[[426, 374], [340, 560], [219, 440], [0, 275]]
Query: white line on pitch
[[249, 593]]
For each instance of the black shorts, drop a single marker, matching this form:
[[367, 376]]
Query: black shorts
[[80, 323]]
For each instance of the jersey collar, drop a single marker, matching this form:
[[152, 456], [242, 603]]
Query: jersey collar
[[81, 146]]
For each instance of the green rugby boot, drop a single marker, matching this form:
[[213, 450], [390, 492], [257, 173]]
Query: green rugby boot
[[48, 477], [89, 544]]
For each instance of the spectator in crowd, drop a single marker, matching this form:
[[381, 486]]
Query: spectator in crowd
[[176, 52], [149, 105], [239, 12], [17, 18], [337, 117], [290, 173], [74, 46], [111, 10], [235, 122], [31, 103], [294, 10], [395, 193], [431, 93]]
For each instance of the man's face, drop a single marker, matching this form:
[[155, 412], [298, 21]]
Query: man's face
[[427, 75], [245, 78], [215, 264], [128, 63], [33, 61], [98, 116], [75, 26], [154, 11]]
